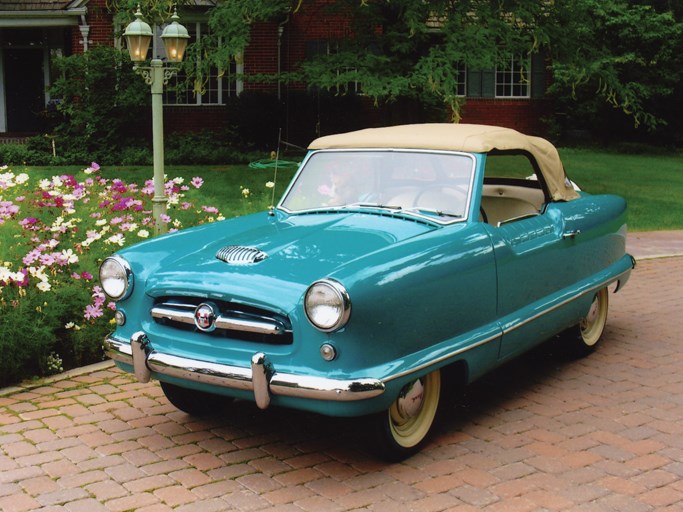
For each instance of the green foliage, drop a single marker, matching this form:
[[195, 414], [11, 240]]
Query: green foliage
[[620, 53], [207, 148], [632, 57], [103, 104], [26, 337]]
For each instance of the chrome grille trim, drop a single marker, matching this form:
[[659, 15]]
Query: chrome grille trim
[[239, 255], [230, 321]]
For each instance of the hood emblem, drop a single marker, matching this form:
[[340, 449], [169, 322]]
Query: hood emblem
[[239, 255], [205, 316]]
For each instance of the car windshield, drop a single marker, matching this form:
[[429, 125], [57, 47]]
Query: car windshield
[[426, 183]]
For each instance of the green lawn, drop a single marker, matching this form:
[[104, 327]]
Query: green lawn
[[652, 184]]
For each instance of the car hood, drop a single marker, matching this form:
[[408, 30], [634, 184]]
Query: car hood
[[298, 250]]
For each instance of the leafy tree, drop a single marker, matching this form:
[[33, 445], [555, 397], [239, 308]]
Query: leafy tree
[[624, 53], [621, 53]]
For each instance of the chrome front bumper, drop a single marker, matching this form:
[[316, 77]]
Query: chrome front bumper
[[260, 378]]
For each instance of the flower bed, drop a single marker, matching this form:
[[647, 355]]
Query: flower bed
[[53, 235]]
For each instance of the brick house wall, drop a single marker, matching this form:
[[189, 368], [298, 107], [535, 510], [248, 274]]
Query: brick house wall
[[524, 115]]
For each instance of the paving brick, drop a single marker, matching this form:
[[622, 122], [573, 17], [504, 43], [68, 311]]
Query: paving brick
[[85, 505], [18, 503], [175, 495]]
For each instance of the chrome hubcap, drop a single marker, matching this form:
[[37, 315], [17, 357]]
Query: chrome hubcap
[[410, 400], [592, 315]]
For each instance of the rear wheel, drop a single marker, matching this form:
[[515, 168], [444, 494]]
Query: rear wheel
[[402, 430], [583, 338], [195, 403]]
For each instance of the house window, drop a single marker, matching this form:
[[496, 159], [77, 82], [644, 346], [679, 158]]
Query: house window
[[213, 89], [461, 80], [513, 78]]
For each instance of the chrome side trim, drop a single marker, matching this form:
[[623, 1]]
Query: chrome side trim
[[444, 357], [511, 328], [550, 309], [259, 378]]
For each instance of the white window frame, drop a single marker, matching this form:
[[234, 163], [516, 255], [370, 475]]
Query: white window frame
[[234, 86], [462, 80], [515, 75]]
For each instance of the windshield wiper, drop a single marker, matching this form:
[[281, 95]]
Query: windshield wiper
[[372, 205], [433, 211]]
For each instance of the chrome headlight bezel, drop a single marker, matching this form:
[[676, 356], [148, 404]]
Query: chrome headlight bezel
[[116, 277], [327, 305]]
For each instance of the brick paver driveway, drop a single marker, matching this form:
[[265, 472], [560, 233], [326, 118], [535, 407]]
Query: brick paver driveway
[[544, 433]]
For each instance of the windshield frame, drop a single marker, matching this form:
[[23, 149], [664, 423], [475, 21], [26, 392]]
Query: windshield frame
[[368, 207]]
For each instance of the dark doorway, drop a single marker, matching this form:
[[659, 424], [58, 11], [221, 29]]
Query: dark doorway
[[24, 90]]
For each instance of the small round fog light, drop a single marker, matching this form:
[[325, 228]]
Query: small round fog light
[[119, 317], [328, 352]]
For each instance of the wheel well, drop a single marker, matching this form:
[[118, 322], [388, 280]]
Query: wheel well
[[456, 375]]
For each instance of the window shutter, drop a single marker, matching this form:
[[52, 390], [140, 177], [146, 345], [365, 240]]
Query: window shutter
[[481, 84], [538, 75], [488, 83]]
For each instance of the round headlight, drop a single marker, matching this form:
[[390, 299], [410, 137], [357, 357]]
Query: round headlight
[[116, 277], [327, 305]]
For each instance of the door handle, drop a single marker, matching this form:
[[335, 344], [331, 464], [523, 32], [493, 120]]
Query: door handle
[[571, 234]]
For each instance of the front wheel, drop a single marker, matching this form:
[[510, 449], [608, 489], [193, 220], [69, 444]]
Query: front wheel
[[583, 338], [402, 429], [195, 403]]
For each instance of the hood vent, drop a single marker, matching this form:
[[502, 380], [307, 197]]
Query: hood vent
[[238, 255]]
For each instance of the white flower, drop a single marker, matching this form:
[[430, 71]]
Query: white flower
[[69, 325], [101, 222], [116, 239], [69, 256], [21, 178], [270, 184], [43, 286], [143, 233]]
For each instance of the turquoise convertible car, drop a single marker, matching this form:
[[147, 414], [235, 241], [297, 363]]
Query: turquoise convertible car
[[398, 264]]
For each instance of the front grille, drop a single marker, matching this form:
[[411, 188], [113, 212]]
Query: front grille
[[233, 321]]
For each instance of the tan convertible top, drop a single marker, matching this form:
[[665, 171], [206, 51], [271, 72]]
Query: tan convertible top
[[471, 138]]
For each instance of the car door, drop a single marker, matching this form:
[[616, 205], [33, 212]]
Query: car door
[[531, 269]]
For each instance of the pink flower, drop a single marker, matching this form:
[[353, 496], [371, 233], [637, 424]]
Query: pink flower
[[197, 182], [92, 312], [210, 209], [47, 259]]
